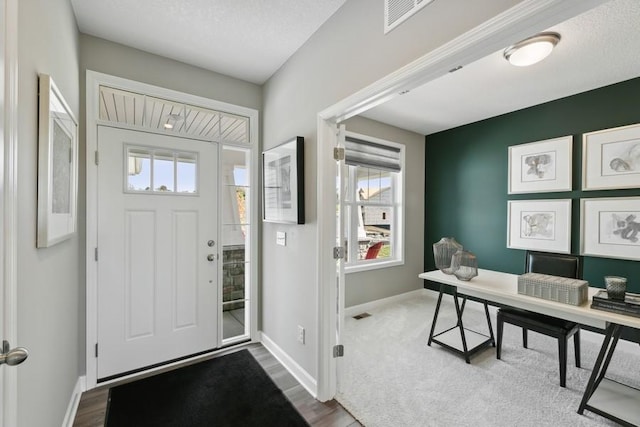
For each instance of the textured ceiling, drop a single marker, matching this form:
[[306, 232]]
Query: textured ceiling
[[598, 48], [246, 39]]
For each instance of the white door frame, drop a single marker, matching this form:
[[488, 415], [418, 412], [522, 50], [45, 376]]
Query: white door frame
[[516, 23], [93, 82], [9, 202]]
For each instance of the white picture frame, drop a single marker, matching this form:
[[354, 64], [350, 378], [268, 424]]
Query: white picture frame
[[608, 227], [541, 166], [57, 166], [541, 225], [611, 158]]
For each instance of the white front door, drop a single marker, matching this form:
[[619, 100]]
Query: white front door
[[157, 249]]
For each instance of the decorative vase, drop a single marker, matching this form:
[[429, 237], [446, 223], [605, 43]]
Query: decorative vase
[[464, 265], [616, 287], [443, 251]]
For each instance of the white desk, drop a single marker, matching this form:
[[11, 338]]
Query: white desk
[[602, 396]]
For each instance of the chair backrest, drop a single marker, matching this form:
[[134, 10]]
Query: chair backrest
[[555, 264], [372, 252]]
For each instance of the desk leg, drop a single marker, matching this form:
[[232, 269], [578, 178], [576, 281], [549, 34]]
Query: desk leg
[[602, 363], [435, 316], [459, 313], [486, 311]]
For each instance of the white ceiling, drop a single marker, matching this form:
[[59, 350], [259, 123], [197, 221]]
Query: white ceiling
[[599, 47], [252, 39], [246, 39]]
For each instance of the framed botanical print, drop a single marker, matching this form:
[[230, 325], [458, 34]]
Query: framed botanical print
[[610, 227], [611, 158], [542, 166], [541, 225]]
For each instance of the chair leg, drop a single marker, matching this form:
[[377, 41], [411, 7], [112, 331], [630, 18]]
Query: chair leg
[[576, 345], [499, 346], [562, 358], [524, 338]]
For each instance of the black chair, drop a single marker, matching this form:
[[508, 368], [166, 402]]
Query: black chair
[[556, 265]]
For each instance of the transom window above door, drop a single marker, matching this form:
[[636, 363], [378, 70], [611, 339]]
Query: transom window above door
[[157, 114]]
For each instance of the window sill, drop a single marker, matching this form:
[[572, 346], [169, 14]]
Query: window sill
[[357, 268]]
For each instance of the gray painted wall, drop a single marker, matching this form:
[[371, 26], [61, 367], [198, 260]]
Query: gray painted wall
[[106, 57], [50, 284], [345, 55], [367, 286]]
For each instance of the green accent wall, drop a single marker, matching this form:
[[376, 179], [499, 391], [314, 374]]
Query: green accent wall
[[466, 177]]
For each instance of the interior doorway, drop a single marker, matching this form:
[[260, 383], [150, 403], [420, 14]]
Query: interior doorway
[[518, 22]]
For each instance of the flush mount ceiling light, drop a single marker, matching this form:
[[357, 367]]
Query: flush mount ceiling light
[[531, 50]]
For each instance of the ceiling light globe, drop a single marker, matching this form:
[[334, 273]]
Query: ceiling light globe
[[531, 50]]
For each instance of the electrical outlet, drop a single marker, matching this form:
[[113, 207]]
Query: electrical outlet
[[300, 334]]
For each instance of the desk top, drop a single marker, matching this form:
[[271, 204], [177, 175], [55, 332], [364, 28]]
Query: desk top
[[502, 288]]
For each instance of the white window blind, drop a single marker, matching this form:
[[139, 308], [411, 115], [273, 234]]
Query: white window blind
[[369, 154]]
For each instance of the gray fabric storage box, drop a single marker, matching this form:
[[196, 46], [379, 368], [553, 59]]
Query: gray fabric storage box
[[554, 288]]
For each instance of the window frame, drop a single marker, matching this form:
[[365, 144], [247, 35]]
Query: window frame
[[351, 202]]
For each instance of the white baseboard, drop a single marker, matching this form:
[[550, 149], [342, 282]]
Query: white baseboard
[[303, 377], [70, 416], [360, 308]]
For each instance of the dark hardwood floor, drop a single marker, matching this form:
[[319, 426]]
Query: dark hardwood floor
[[93, 404]]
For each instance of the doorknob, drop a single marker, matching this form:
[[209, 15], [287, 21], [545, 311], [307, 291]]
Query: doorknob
[[211, 257], [14, 356]]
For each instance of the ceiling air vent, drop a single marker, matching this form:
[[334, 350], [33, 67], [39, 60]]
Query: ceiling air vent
[[398, 11]]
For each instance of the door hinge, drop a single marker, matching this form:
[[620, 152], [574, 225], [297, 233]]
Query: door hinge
[[338, 252], [96, 349], [96, 158], [338, 153], [95, 254], [338, 350]]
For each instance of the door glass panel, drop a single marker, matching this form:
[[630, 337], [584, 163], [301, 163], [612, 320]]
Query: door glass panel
[[138, 170], [236, 272], [163, 172], [186, 173]]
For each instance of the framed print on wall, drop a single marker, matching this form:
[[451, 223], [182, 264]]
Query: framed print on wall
[[283, 182], [57, 165], [611, 158], [542, 166], [541, 225], [610, 227]]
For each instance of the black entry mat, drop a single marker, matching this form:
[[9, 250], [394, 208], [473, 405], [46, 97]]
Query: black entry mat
[[231, 390]]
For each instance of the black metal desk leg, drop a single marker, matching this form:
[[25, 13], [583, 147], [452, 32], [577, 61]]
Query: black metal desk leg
[[486, 311], [612, 332], [459, 313], [435, 316]]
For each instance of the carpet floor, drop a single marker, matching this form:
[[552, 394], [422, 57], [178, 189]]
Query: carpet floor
[[390, 377], [232, 390]]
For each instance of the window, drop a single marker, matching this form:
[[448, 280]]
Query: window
[[158, 171], [373, 203], [236, 249]]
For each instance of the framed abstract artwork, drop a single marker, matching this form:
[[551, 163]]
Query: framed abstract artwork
[[283, 182], [541, 225], [542, 166], [610, 227], [611, 158], [57, 166]]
